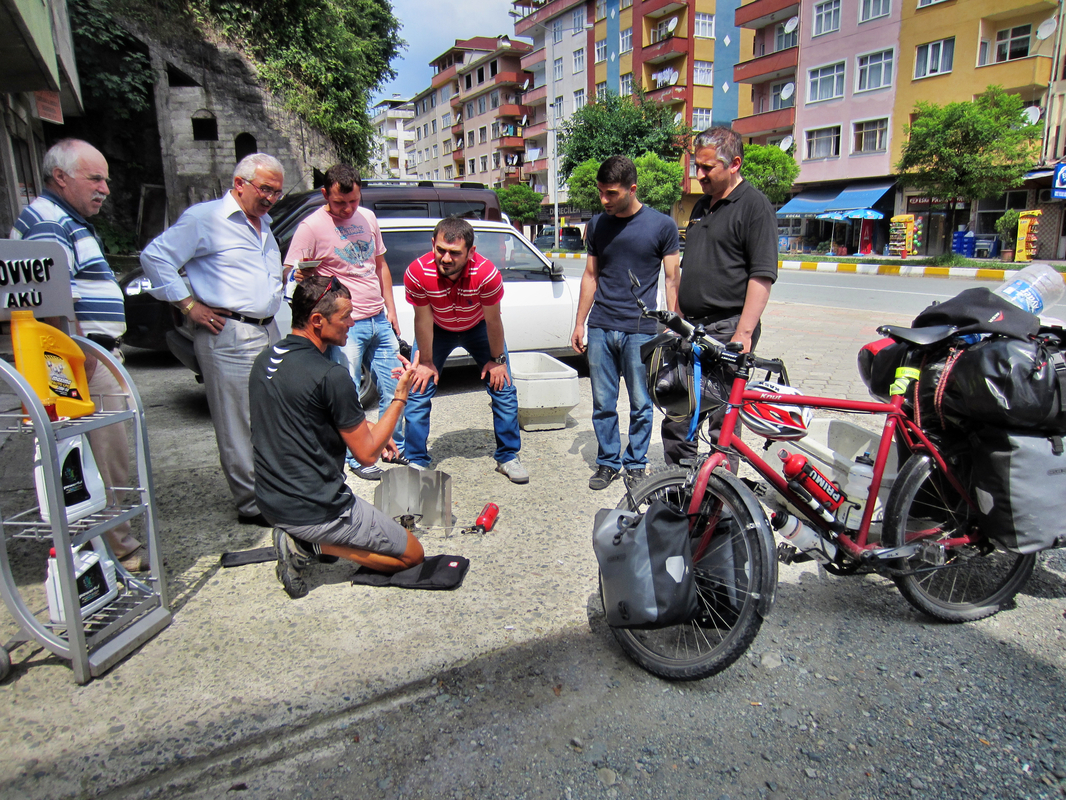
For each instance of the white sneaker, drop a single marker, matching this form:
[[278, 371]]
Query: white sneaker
[[514, 470]]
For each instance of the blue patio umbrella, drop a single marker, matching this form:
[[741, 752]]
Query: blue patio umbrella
[[863, 213], [835, 216]]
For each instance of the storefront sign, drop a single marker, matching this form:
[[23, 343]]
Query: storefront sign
[[920, 203], [1058, 188], [48, 107], [34, 277]]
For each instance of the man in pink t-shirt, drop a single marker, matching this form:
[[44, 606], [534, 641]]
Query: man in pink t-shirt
[[347, 241], [456, 295]]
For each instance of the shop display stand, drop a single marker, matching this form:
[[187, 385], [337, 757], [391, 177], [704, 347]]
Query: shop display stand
[[95, 642]]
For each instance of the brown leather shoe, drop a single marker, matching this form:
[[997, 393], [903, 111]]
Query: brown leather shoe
[[137, 561]]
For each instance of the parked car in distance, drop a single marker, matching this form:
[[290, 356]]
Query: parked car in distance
[[569, 239], [539, 302]]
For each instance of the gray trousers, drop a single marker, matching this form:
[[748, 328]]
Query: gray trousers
[[225, 363]]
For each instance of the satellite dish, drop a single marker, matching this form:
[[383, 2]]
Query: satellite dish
[[672, 26], [792, 24], [528, 82], [786, 143], [1031, 114], [1046, 28], [525, 120], [677, 118], [674, 77], [458, 117], [787, 90]]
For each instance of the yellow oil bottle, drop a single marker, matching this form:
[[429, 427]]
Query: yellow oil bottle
[[52, 363]]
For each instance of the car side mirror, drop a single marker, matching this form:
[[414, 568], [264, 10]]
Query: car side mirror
[[555, 272]]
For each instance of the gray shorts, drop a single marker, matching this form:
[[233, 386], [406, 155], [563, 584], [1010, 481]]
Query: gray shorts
[[362, 526]]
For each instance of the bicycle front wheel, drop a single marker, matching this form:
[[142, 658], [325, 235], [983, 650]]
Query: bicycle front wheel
[[973, 582], [729, 579]]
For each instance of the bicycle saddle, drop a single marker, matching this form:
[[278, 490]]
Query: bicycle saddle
[[922, 337]]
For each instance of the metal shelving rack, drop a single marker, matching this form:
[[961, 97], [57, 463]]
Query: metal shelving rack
[[94, 643]]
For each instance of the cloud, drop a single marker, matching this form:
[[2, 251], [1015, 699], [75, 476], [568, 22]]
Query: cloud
[[430, 27]]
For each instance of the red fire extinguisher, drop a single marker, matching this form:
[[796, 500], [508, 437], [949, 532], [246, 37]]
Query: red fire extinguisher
[[797, 468], [486, 519]]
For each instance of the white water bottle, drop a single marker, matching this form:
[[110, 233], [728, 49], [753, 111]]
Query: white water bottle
[[857, 487], [807, 541], [1034, 288]]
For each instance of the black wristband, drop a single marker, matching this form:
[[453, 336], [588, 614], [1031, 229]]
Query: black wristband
[[399, 400]]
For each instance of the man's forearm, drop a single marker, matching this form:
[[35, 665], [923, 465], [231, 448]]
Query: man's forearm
[[758, 295]]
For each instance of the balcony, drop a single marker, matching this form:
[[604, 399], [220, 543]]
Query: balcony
[[660, 8], [764, 12], [443, 77], [770, 67], [512, 143], [781, 120], [665, 50], [512, 110], [509, 78], [540, 165], [457, 155], [456, 100], [1023, 76], [535, 130], [530, 60], [536, 95], [457, 129], [668, 95]]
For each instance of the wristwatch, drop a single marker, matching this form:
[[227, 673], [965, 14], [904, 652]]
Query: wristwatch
[[187, 308], [501, 358]]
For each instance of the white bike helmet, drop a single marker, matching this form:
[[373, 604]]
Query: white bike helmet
[[773, 419]]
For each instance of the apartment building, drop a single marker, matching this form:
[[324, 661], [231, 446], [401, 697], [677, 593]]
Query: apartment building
[[388, 157]]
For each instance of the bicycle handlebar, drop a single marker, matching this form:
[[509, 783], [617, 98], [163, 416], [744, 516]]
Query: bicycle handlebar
[[695, 334]]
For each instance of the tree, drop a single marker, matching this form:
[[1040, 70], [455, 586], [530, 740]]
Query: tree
[[658, 183], [968, 150], [520, 202], [615, 125], [770, 170]]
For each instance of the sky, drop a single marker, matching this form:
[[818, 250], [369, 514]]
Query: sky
[[430, 27]]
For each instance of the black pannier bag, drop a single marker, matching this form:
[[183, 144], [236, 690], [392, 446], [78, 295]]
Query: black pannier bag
[[670, 362], [645, 565], [878, 362], [1019, 486]]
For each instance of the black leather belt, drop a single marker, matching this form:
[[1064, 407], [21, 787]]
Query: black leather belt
[[250, 320], [106, 342]]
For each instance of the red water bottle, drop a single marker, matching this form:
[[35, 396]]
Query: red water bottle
[[487, 518], [797, 468]]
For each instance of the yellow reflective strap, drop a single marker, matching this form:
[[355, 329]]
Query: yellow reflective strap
[[904, 375]]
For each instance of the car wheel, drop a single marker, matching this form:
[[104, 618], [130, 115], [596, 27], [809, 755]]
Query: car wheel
[[368, 389]]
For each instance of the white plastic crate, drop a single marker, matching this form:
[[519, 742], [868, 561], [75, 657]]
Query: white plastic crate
[[547, 390]]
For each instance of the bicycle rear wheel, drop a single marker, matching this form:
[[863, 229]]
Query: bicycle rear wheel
[[974, 582], [729, 579]]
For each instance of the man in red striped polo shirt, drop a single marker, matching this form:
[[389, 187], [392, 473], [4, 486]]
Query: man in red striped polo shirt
[[456, 295]]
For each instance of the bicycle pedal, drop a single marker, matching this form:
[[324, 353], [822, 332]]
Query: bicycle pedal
[[786, 553], [933, 553]]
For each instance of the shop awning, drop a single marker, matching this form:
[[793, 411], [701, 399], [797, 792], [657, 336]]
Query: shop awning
[[859, 195], [808, 204], [1039, 173]]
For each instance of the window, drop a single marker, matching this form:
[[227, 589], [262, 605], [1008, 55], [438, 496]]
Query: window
[[480, 75], [469, 80], [557, 69], [484, 163], [826, 83], [703, 73], [557, 31], [470, 110], [701, 118], [872, 9], [425, 130], [625, 85], [601, 9], [577, 22], [459, 173], [579, 60], [418, 134], [496, 130], [601, 50], [470, 138], [826, 17], [601, 90], [449, 173], [823, 142], [704, 26], [661, 30], [496, 160], [579, 99], [446, 120], [433, 126], [471, 166], [481, 107], [924, 3], [626, 3], [777, 101], [482, 134], [435, 153], [783, 40], [871, 136], [494, 99], [934, 58], [557, 107], [1013, 43], [875, 70], [204, 129], [447, 146], [625, 41]]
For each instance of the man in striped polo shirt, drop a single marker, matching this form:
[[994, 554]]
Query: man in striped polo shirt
[[456, 295], [75, 175]]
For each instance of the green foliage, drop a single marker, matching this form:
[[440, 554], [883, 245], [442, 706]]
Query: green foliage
[[1007, 228], [520, 202], [658, 182], [626, 126], [581, 186], [972, 150], [770, 170], [115, 75], [117, 240], [326, 57]]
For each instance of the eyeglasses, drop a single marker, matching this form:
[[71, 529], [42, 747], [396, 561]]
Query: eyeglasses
[[333, 285], [265, 191]]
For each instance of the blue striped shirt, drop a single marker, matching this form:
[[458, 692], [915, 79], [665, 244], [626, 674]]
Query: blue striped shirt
[[97, 296]]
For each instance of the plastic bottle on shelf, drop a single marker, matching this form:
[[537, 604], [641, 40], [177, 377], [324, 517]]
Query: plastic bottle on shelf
[[800, 536], [52, 363], [81, 489], [1034, 288]]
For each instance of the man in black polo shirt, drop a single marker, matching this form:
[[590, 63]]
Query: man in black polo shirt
[[730, 260], [305, 416]]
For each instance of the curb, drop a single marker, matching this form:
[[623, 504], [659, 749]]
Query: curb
[[980, 273]]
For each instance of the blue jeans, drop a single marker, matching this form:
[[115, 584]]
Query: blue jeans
[[504, 401], [613, 355], [374, 336]]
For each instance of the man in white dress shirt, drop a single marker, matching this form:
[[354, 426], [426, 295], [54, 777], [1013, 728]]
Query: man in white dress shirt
[[234, 267]]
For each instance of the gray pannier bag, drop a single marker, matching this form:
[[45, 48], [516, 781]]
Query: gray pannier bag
[[1019, 486], [645, 566]]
